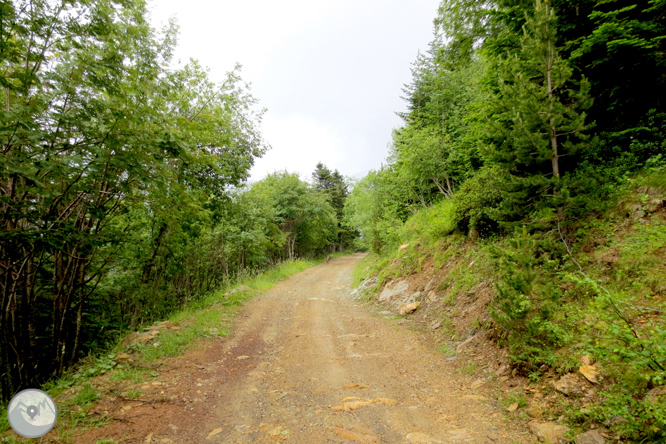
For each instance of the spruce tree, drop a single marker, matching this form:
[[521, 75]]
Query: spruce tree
[[537, 114]]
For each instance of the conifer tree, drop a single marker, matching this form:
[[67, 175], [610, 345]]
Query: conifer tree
[[536, 115]]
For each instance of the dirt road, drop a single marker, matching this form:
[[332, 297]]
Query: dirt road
[[307, 364]]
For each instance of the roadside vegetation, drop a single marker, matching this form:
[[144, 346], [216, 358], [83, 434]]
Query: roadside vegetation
[[123, 185], [527, 170], [130, 363]]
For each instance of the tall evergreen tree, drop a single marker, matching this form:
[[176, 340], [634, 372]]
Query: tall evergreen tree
[[333, 185], [536, 115]]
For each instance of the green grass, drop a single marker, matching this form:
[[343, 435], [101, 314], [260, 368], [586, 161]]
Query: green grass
[[86, 396], [468, 368], [134, 393], [362, 270], [4, 421], [131, 374]]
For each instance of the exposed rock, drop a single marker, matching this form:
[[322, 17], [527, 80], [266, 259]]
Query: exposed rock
[[513, 407], [214, 432], [615, 420], [129, 339], [123, 357], [392, 290], [430, 285], [586, 360], [435, 325], [534, 411], [466, 342], [370, 282], [240, 288], [569, 385], [353, 436], [654, 205], [353, 403], [138, 338], [408, 299], [656, 394], [159, 326], [504, 370], [432, 296], [275, 431], [421, 438], [591, 437], [364, 287], [549, 432], [477, 383], [409, 308], [403, 247], [590, 372]]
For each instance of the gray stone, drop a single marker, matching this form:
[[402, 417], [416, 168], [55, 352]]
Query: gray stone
[[393, 289], [364, 287]]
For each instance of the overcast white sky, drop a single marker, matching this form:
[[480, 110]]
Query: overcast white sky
[[330, 72]]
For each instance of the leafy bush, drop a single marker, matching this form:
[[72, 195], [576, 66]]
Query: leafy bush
[[430, 224]]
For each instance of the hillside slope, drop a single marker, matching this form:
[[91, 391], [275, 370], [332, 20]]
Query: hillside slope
[[571, 321]]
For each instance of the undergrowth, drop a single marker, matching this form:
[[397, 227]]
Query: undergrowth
[[564, 289]]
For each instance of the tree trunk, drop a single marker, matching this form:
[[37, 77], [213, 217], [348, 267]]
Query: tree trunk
[[151, 262], [552, 129]]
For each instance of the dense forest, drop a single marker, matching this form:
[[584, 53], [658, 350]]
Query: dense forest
[[123, 191], [523, 110], [534, 149]]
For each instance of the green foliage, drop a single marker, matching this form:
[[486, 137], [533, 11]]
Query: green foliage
[[534, 117], [373, 207], [335, 188], [303, 221], [122, 185], [4, 422], [134, 393], [628, 36], [86, 395], [528, 304]]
